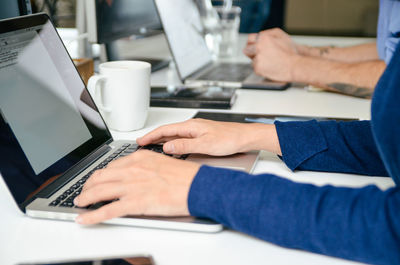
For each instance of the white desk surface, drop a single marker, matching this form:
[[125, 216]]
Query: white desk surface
[[28, 240]]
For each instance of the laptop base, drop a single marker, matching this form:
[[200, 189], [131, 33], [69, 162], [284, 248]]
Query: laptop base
[[239, 75]]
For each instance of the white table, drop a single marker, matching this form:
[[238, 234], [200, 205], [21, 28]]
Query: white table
[[28, 240]]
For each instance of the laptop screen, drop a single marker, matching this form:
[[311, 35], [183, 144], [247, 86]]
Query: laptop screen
[[182, 25], [45, 125]]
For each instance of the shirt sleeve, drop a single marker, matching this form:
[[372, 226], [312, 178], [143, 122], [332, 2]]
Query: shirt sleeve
[[330, 146], [357, 224], [388, 29], [393, 38]]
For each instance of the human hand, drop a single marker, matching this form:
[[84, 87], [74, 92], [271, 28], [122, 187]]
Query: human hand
[[276, 33], [274, 54], [213, 138], [144, 183], [250, 49]]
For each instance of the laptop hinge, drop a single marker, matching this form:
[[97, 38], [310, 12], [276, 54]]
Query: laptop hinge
[[200, 70], [57, 184]]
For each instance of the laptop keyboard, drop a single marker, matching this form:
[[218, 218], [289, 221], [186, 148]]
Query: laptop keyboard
[[228, 72], [67, 198]]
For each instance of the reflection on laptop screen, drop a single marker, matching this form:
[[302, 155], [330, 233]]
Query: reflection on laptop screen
[[36, 115], [44, 126], [182, 24]]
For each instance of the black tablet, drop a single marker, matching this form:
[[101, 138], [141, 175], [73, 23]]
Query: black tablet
[[208, 97], [260, 118]]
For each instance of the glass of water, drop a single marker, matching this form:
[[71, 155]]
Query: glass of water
[[228, 30], [211, 25]]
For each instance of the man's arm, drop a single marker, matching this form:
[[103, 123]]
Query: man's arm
[[356, 224], [357, 79], [351, 54], [353, 71], [145, 178], [347, 147]]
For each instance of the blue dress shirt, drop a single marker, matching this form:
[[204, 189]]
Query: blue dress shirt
[[388, 28], [361, 224]]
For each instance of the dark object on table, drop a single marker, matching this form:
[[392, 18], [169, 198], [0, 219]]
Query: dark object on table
[[141, 260], [259, 118], [213, 97]]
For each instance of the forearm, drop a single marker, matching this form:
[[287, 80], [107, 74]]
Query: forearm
[[357, 79], [346, 147], [357, 224], [352, 54]]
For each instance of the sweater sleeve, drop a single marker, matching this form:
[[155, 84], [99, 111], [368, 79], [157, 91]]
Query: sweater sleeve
[[357, 224], [346, 147]]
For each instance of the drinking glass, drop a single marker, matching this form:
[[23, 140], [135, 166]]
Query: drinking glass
[[229, 22]]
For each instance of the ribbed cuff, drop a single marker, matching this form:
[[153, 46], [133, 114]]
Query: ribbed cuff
[[300, 141]]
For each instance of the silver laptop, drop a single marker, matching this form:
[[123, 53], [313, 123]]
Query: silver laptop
[[182, 25], [51, 141]]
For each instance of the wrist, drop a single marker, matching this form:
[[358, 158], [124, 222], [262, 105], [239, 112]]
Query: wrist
[[261, 137], [296, 67], [304, 50], [184, 179]]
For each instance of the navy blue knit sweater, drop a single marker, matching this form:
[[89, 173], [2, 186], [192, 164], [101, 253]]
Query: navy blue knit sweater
[[361, 224]]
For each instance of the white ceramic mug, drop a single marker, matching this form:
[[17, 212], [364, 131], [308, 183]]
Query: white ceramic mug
[[122, 94]]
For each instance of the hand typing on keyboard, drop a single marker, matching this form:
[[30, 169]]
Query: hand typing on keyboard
[[67, 198], [198, 136], [149, 183], [144, 183]]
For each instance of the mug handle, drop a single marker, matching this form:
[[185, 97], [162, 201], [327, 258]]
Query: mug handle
[[94, 86]]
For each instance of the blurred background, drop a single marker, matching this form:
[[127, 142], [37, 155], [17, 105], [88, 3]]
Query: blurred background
[[300, 17]]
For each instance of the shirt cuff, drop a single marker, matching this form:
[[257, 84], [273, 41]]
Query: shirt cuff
[[300, 141]]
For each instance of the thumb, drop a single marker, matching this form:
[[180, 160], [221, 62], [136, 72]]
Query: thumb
[[252, 38], [183, 146], [250, 51]]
